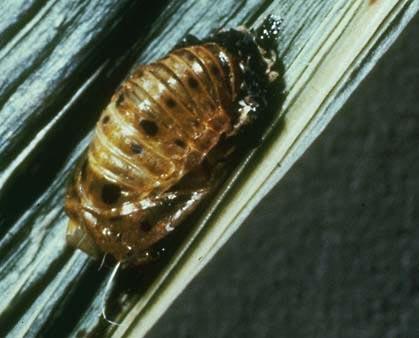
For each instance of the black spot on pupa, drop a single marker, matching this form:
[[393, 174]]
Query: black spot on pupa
[[180, 143], [145, 226], [110, 193], [218, 124], [136, 148], [214, 70], [171, 103], [106, 119], [149, 127], [193, 83]]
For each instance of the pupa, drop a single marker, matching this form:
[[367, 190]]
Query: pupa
[[161, 144]]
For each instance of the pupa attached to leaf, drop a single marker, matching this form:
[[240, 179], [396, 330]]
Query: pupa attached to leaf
[[161, 145]]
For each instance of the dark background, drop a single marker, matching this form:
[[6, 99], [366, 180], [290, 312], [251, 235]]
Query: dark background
[[333, 251]]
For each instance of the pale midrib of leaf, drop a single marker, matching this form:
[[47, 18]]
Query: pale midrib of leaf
[[310, 103]]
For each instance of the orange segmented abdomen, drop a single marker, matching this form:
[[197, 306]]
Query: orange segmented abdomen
[[164, 119]]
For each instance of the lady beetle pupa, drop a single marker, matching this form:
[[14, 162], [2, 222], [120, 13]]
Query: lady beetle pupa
[[161, 143]]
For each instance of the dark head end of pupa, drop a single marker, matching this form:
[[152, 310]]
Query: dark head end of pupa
[[262, 78], [256, 50]]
